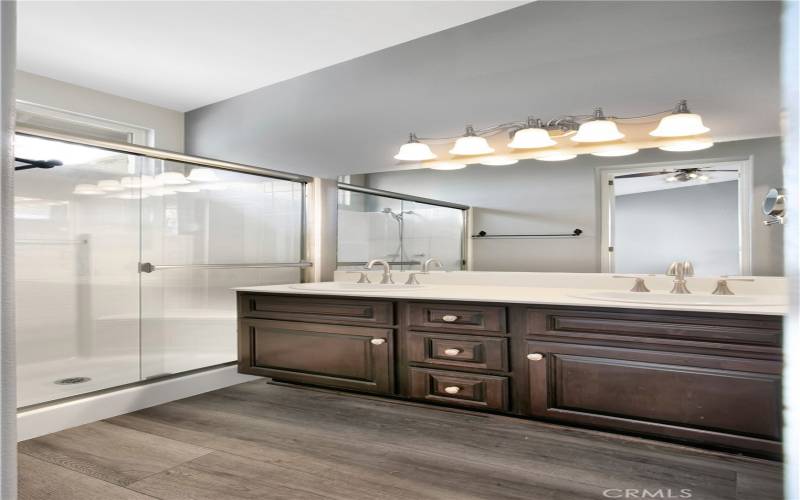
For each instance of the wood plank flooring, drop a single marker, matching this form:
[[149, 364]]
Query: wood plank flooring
[[265, 441]]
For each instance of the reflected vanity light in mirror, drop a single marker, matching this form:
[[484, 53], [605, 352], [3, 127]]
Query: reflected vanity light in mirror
[[615, 150], [414, 150], [87, 189], [680, 123], [498, 161], [690, 144], [447, 165], [554, 156], [160, 191], [471, 145], [599, 129], [187, 189], [131, 195], [203, 175], [171, 179], [110, 185], [137, 182]]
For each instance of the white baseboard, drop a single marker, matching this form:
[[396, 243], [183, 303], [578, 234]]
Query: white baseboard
[[59, 416]]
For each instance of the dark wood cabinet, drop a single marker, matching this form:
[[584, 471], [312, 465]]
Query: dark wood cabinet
[[706, 379], [722, 401], [347, 357]]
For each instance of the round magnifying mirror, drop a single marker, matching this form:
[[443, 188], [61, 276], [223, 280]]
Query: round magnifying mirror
[[774, 204]]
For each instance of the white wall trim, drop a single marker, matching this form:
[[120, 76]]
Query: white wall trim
[[59, 416], [606, 208]]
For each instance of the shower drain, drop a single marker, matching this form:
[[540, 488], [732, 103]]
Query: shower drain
[[72, 380]]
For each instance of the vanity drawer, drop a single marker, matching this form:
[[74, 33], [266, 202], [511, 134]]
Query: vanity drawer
[[460, 389], [316, 309], [471, 351], [490, 320], [668, 326]]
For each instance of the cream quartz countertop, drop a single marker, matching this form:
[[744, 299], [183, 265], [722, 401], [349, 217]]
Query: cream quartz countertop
[[539, 289]]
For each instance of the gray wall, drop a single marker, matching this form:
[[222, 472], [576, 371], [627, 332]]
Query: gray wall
[[699, 223], [543, 58], [542, 197]]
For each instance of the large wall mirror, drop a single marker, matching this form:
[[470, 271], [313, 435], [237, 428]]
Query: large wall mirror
[[634, 214]]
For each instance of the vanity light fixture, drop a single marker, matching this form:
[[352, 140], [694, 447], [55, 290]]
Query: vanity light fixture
[[414, 150], [554, 155], [110, 185], [87, 189], [533, 136], [615, 150], [499, 161], [447, 165], [471, 144], [202, 174], [171, 179], [690, 144], [598, 129], [680, 123]]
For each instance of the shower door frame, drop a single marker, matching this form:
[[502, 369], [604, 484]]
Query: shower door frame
[[158, 154], [465, 213]]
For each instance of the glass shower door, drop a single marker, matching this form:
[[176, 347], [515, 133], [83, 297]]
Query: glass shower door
[[77, 285], [204, 232]]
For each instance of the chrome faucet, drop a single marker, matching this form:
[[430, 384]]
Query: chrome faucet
[[387, 270], [412, 277], [681, 270]]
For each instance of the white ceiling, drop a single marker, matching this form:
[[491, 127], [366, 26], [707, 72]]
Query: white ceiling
[[186, 54]]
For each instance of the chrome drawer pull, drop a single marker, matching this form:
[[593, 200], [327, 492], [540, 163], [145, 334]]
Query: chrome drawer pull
[[449, 318], [452, 352], [535, 356], [378, 341], [453, 389]]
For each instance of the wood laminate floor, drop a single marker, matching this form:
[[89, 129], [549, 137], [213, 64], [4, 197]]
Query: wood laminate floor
[[265, 441]]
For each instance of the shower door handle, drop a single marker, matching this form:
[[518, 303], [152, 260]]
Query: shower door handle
[[146, 267]]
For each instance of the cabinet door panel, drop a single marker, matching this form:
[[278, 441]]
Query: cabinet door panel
[[340, 356], [685, 396]]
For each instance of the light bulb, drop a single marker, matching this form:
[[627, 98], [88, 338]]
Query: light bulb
[[447, 165], [110, 185], [171, 179], [692, 144], [414, 150], [692, 175], [680, 123], [531, 137], [498, 161], [703, 178], [471, 145], [671, 178], [203, 174], [87, 189], [616, 150], [599, 129], [554, 156]]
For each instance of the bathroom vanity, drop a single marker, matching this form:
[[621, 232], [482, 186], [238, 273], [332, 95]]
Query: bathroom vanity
[[700, 377]]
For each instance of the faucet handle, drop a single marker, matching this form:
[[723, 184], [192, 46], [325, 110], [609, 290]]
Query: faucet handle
[[363, 276], [722, 285], [638, 285]]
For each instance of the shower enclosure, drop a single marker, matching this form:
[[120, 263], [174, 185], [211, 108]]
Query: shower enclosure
[[126, 257], [402, 229]]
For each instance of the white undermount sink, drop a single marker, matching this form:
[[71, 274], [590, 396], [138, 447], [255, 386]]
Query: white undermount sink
[[683, 299], [338, 286]]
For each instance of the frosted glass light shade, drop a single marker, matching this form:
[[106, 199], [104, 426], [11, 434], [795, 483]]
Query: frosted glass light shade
[[680, 125], [499, 161], [615, 150], [598, 131], [471, 145], [691, 144], [447, 165], [110, 185], [203, 175], [554, 156], [138, 182], [414, 150], [171, 179], [87, 189], [531, 138]]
